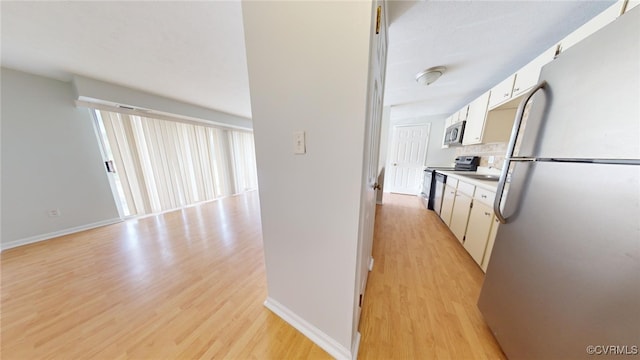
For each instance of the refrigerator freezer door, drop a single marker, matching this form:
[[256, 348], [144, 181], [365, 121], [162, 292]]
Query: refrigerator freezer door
[[565, 271], [589, 108]]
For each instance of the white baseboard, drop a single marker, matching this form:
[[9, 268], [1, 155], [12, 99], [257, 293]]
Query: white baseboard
[[51, 235], [371, 263], [314, 334]]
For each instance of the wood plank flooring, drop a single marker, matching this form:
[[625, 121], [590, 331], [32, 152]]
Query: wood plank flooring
[[190, 284], [421, 296]]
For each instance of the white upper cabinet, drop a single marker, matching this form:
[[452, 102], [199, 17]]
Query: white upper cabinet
[[502, 92], [631, 4], [462, 113], [492, 122], [451, 120], [593, 25], [528, 76], [476, 120]]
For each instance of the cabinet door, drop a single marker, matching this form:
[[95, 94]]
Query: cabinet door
[[462, 113], [448, 200], [593, 25], [460, 215], [502, 92], [528, 76], [491, 240], [478, 231], [475, 120], [631, 4]]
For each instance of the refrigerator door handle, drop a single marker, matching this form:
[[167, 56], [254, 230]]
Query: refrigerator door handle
[[510, 151]]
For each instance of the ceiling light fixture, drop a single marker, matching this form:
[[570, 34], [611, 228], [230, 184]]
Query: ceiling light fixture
[[430, 75]]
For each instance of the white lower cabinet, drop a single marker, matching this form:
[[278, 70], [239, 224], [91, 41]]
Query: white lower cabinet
[[490, 242], [461, 208], [478, 231], [460, 215], [448, 200], [468, 212]]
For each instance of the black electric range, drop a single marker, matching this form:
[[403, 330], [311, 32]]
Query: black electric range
[[433, 186]]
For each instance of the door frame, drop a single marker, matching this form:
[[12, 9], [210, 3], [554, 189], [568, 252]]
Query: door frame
[[392, 146], [103, 144]]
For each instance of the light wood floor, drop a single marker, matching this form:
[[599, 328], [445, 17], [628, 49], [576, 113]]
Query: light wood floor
[[421, 296], [190, 284]]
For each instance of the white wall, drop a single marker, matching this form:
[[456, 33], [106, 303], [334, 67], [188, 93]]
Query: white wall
[[91, 89], [308, 67], [436, 155], [50, 160]]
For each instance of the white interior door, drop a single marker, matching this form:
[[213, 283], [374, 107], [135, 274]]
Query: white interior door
[[371, 155], [408, 154]]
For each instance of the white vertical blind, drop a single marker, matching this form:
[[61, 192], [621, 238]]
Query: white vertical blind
[[166, 165]]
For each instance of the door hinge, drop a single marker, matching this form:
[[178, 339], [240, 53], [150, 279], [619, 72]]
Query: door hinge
[[378, 19], [360, 301], [471, 205]]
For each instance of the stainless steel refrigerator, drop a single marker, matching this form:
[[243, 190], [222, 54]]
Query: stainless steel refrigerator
[[564, 276]]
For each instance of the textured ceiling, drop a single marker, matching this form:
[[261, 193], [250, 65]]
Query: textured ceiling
[[480, 43], [188, 51], [194, 51]]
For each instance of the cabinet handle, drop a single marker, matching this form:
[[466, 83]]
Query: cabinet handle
[[505, 95], [516, 89], [487, 213], [484, 196]]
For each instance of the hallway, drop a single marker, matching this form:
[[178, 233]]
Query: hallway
[[421, 295]]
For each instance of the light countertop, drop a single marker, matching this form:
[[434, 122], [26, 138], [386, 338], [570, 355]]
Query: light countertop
[[485, 184]]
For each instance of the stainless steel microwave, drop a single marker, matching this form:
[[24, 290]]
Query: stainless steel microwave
[[454, 133]]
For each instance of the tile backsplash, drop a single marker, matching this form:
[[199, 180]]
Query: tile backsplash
[[497, 150]]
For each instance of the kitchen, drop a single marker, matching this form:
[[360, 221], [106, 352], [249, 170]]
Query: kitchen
[[550, 208]]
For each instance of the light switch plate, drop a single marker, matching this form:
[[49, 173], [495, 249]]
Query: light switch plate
[[299, 143]]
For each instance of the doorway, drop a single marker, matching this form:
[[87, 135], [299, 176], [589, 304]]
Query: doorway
[[159, 165], [408, 153]]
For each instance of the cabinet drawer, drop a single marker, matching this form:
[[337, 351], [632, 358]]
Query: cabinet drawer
[[484, 196], [465, 188]]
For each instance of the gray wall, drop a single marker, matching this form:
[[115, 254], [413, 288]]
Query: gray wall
[[93, 90], [313, 79], [50, 160], [436, 155]]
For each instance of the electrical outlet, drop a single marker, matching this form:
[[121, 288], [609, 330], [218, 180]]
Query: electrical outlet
[[492, 159], [54, 213]]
